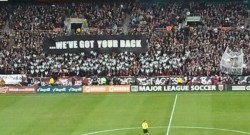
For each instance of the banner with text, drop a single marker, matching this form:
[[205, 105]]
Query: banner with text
[[97, 43], [239, 87], [13, 79], [106, 89], [168, 88], [4, 90], [59, 89], [156, 80], [21, 89], [17, 89]]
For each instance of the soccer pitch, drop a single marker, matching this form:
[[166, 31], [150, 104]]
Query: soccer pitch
[[186, 113]]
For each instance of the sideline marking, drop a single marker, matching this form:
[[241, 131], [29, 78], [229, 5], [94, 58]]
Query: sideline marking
[[176, 127], [172, 114]]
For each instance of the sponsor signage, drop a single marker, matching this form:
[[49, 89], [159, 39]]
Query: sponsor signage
[[240, 87], [220, 87], [94, 89], [21, 89], [120, 88], [134, 88], [13, 79], [17, 89], [167, 88], [106, 89], [59, 89], [97, 43], [3, 90]]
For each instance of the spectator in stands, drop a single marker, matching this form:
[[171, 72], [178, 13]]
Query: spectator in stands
[[179, 80], [215, 80], [73, 81], [2, 82], [85, 81], [236, 80], [171, 49], [95, 81], [103, 81], [51, 81], [248, 80]]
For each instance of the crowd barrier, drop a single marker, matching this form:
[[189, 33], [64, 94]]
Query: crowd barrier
[[121, 88], [155, 80]]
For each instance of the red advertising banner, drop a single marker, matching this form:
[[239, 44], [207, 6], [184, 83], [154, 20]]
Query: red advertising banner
[[22, 89], [17, 89], [106, 89], [3, 90]]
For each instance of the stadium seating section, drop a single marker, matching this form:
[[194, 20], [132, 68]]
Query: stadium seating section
[[172, 49]]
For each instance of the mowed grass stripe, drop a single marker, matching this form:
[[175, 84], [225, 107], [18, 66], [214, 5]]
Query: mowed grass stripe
[[20, 117], [74, 114], [129, 111], [218, 111], [46, 115]]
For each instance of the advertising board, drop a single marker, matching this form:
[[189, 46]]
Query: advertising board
[[13, 79], [239, 87], [59, 89], [169, 88], [21, 89], [106, 89], [3, 90], [17, 89]]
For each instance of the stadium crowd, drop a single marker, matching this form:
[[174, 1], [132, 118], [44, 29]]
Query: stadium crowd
[[191, 50]]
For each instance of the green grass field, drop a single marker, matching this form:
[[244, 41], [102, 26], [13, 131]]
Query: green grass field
[[199, 113]]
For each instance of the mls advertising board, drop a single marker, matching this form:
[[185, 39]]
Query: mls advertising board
[[169, 88]]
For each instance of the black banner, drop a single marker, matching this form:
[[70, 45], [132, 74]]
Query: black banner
[[97, 43], [168, 88]]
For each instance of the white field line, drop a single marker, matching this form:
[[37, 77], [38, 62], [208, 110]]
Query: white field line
[[176, 127], [172, 114], [119, 129]]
